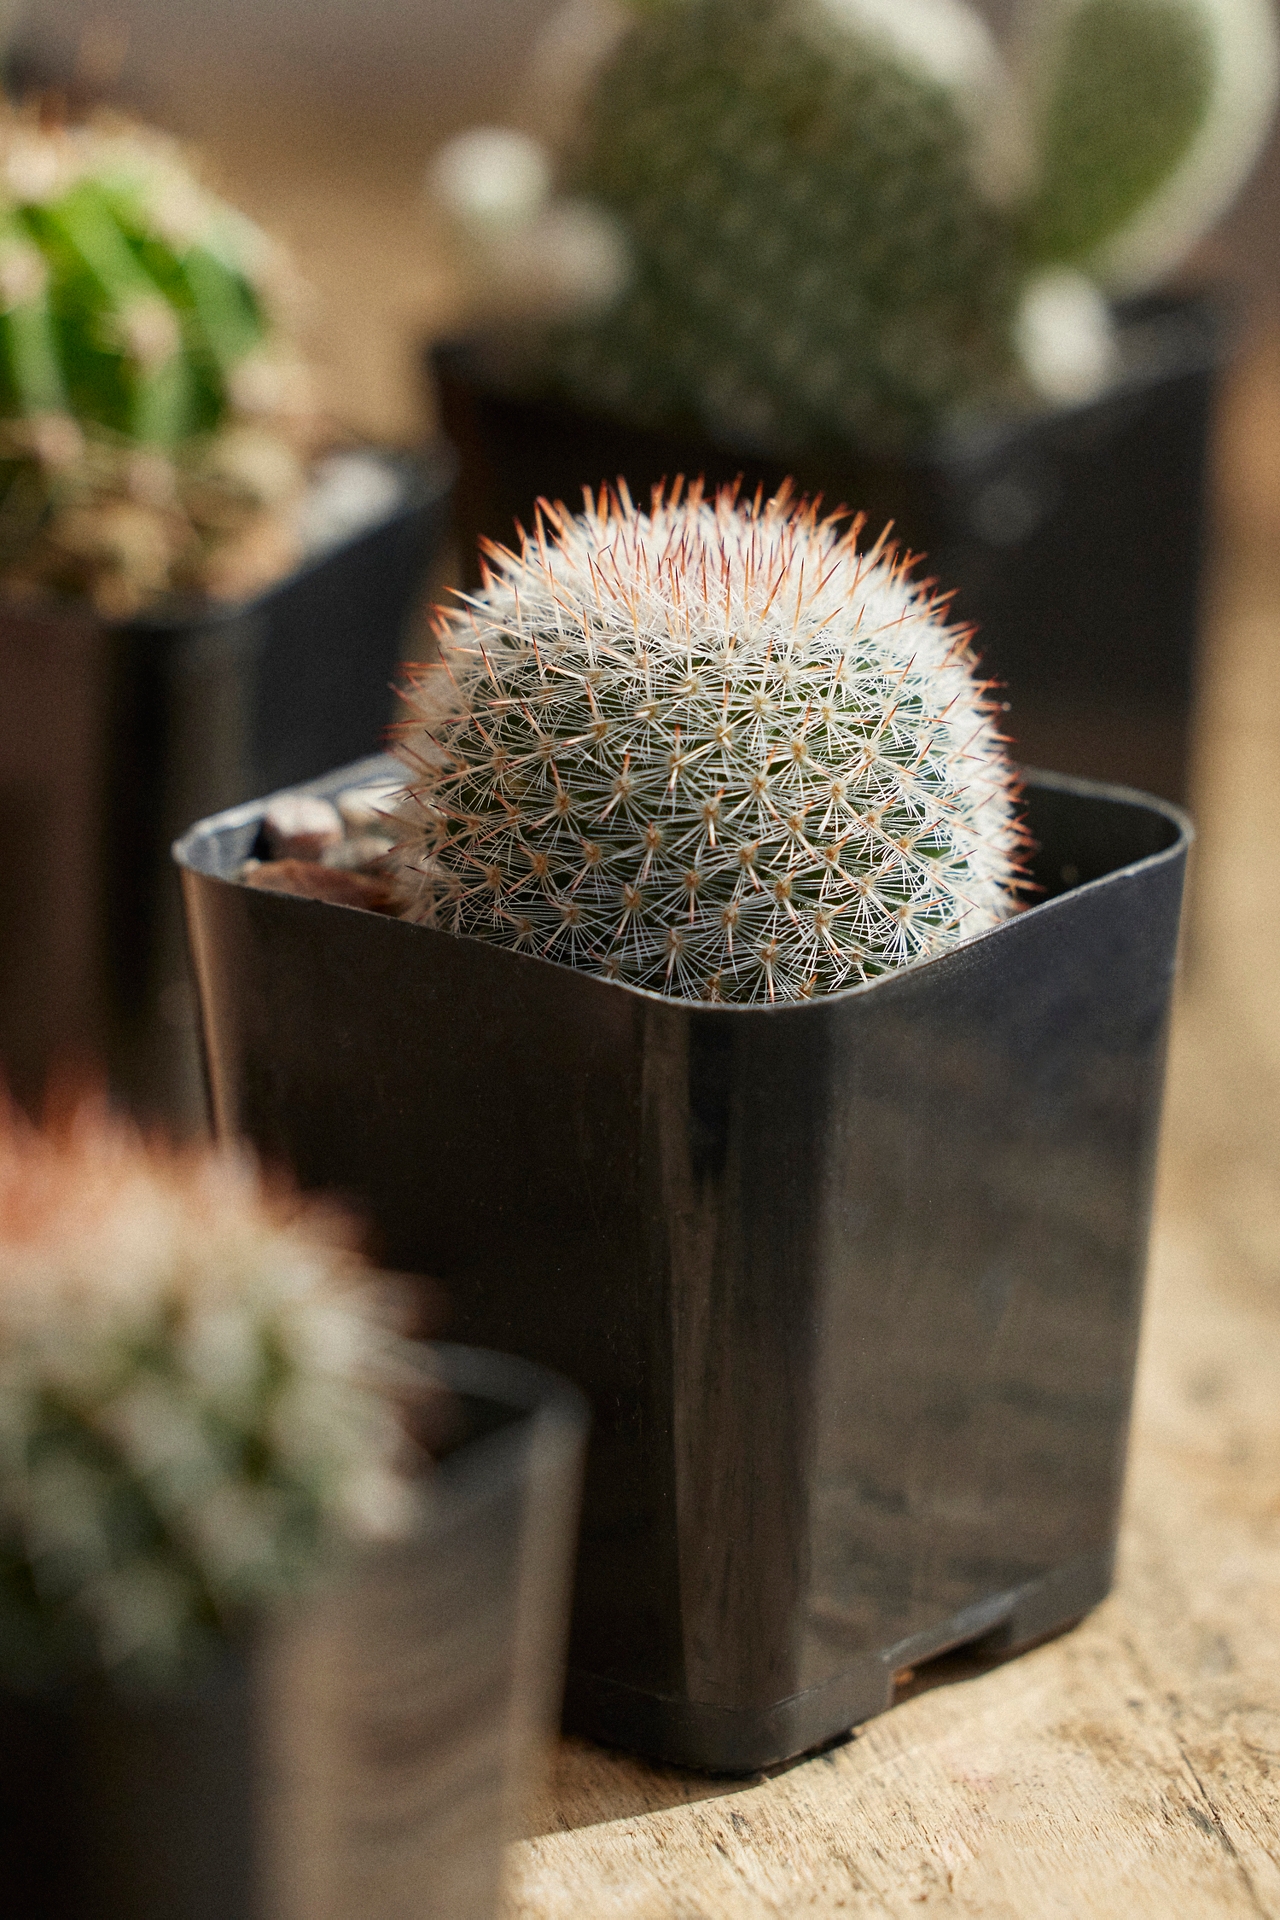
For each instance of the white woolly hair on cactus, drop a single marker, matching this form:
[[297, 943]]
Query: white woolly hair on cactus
[[526, 250], [490, 181], [1064, 334], [716, 750]]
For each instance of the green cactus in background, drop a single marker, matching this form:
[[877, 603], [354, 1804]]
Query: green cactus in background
[[713, 750], [849, 220], [152, 409], [1129, 91], [815, 256], [1147, 116], [197, 1401]]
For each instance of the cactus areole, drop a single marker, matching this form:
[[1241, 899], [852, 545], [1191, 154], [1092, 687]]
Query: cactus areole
[[718, 750]]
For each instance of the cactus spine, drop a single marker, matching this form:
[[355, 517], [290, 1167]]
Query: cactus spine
[[152, 410], [714, 750], [192, 1404]]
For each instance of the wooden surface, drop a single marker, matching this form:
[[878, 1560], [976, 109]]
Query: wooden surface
[[1131, 1768]]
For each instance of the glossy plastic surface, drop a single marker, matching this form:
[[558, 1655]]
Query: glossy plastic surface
[[370, 1753], [113, 736], [853, 1285]]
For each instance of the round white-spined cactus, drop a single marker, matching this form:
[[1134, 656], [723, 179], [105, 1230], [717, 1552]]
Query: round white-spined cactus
[[197, 1400], [715, 750]]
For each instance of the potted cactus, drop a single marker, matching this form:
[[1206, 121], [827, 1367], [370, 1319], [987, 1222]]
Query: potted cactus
[[178, 549], [860, 244], [741, 1033], [265, 1563]]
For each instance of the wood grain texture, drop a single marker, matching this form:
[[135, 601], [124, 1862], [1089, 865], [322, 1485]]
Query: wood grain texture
[[1131, 1767]]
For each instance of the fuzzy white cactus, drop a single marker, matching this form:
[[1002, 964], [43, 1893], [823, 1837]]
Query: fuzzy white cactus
[[715, 750], [196, 1400]]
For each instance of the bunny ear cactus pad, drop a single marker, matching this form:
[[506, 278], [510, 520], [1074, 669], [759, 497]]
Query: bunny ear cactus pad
[[149, 400], [1149, 115], [714, 750], [813, 254]]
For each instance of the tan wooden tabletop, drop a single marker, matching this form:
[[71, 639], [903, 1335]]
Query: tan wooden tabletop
[[1132, 1767]]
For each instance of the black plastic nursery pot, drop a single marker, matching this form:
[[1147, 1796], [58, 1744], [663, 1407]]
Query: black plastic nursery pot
[[1073, 539], [852, 1284], [113, 736], [371, 1753]]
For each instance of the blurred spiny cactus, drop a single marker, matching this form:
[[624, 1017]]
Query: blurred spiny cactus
[[814, 256], [1148, 115], [194, 1400], [153, 412], [714, 750], [851, 220]]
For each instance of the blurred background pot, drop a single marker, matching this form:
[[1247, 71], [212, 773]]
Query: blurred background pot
[[368, 1754], [1074, 538], [117, 732], [852, 1284]]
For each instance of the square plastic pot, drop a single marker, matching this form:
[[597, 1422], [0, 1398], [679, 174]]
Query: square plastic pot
[[370, 1753], [1074, 539], [114, 735], [853, 1285]]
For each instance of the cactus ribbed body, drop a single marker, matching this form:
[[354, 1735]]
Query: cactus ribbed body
[[812, 257], [713, 750], [190, 1407], [149, 405]]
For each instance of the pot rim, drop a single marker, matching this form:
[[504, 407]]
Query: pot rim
[[184, 852]]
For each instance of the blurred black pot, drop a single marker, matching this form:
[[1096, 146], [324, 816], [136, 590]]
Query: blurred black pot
[[1073, 539], [113, 735], [853, 1284], [370, 1755]]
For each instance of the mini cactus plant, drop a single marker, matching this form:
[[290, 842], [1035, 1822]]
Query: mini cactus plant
[[196, 1400], [815, 250], [153, 412], [854, 221], [716, 750], [817, 243]]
